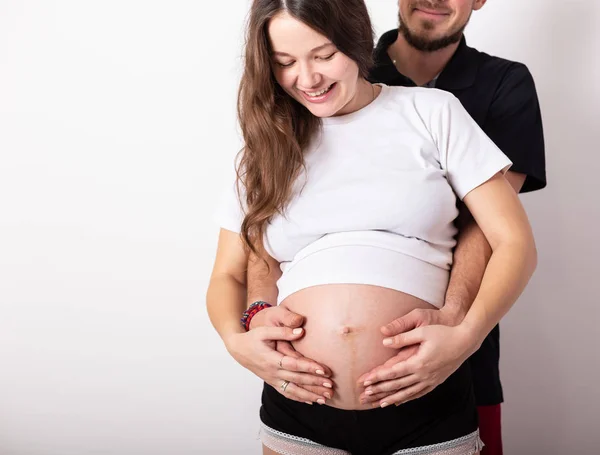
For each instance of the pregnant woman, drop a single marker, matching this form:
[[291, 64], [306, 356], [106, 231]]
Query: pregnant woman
[[348, 191]]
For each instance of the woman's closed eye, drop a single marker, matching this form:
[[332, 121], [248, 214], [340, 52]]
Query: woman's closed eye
[[322, 58], [284, 65], [328, 57]]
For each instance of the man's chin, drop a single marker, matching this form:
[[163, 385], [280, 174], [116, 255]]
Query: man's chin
[[428, 41]]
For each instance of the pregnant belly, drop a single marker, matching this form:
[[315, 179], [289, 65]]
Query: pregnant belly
[[343, 331]]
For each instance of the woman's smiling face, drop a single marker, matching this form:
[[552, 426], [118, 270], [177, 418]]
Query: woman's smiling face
[[310, 68]]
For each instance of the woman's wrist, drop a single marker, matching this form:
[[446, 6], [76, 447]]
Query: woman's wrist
[[230, 331], [475, 328], [467, 342]]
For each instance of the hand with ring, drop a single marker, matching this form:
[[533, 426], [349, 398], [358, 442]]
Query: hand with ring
[[258, 351]]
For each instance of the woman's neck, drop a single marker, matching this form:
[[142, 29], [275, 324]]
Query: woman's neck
[[365, 95]]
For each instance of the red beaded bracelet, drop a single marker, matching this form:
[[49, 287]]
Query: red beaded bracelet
[[251, 311]]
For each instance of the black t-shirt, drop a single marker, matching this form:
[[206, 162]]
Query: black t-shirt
[[500, 95]]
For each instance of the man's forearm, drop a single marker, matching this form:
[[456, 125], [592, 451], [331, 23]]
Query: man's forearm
[[471, 256], [262, 279]]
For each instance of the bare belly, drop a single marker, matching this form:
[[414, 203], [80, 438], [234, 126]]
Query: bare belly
[[343, 331]]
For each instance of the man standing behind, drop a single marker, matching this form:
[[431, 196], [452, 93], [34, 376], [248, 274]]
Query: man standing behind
[[429, 49]]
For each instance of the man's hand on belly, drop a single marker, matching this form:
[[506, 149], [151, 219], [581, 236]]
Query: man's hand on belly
[[307, 377], [432, 347]]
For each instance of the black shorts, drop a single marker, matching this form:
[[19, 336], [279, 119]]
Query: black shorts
[[446, 414]]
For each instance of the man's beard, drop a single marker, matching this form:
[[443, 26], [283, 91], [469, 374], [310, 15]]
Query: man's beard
[[425, 44]]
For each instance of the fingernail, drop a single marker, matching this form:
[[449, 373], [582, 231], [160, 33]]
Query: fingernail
[[387, 341], [367, 383], [327, 384], [384, 404], [320, 372], [297, 331], [327, 395], [368, 392], [321, 401], [308, 402]]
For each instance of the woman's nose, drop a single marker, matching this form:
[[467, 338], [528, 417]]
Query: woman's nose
[[308, 78]]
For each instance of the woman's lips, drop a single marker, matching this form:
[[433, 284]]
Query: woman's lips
[[321, 98]]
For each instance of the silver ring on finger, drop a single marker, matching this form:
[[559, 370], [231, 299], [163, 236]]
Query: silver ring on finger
[[284, 385], [281, 362]]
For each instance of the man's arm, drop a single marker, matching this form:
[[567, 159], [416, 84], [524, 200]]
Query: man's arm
[[262, 279]]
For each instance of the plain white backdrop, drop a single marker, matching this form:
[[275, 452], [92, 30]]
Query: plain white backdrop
[[117, 130]]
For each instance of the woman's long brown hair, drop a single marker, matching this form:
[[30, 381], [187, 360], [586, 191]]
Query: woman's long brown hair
[[276, 128]]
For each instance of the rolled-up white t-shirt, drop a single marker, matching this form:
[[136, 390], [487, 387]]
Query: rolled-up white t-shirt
[[377, 202]]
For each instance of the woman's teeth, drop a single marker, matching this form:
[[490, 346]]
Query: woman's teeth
[[322, 92]]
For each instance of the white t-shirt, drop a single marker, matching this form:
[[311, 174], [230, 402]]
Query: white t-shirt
[[377, 202]]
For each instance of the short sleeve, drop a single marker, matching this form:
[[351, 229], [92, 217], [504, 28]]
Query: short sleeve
[[514, 123], [467, 154], [229, 213]]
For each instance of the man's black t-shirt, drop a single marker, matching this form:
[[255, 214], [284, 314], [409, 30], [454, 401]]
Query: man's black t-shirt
[[500, 95]]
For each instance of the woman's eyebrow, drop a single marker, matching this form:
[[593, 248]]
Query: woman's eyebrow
[[316, 49]]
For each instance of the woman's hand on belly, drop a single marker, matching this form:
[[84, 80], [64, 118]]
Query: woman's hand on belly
[[416, 318], [309, 381], [427, 357]]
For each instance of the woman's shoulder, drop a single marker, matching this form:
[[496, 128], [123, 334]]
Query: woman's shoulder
[[421, 95], [424, 104]]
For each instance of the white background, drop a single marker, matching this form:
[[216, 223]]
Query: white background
[[117, 127]]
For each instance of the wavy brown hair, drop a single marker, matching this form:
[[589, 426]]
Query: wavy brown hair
[[276, 128]]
